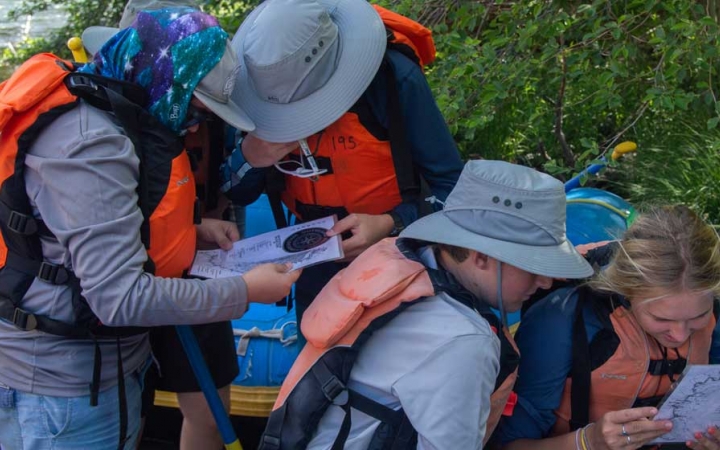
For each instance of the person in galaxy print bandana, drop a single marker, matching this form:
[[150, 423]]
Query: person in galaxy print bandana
[[115, 194], [170, 52]]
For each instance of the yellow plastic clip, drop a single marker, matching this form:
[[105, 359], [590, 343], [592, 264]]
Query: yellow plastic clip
[[76, 47], [622, 148]]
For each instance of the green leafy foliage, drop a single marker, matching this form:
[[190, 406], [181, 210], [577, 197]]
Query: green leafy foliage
[[684, 169], [550, 84], [511, 76]]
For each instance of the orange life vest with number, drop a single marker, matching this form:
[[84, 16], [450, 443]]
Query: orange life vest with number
[[376, 287], [361, 175]]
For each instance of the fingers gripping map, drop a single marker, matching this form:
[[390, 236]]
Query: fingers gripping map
[[693, 404], [302, 245]]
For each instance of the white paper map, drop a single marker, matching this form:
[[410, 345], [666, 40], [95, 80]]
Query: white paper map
[[693, 405], [302, 245]]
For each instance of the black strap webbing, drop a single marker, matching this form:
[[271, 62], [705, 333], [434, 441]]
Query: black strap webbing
[[97, 366], [274, 186], [273, 429], [277, 209], [397, 419], [122, 398], [580, 371], [407, 178], [344, 431], [126, 112]]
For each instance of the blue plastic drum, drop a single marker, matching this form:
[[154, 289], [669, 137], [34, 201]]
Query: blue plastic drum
[[594, 215], [266, 335]]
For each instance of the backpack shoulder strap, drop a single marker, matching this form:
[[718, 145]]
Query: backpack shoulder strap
[[408, 178], [587, 356]]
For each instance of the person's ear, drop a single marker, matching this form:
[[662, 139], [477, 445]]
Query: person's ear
[[480, 260]]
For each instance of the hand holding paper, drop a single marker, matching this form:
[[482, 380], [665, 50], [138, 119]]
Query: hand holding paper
[[267, 283], [300, 245], [693, 404]]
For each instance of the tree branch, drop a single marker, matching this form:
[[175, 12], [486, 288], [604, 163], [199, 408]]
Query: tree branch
[[617, 136], [568, 154]]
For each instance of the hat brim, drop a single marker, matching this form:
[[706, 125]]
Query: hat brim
[[230, 112], [94, 38], [363, 41], [560, 261]]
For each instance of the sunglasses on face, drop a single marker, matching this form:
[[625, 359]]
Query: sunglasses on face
[[195, 116]]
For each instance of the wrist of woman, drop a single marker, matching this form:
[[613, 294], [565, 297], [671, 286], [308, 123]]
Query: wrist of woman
[[594, 442]]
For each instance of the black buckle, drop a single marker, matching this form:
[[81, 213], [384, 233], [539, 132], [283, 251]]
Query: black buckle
[[24, 320], [676, 366], [22, 223], [335, 391], [53, 273], [81, 82], [659, 367], [269, 442]]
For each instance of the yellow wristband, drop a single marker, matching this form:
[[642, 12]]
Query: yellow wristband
[[582, 439]]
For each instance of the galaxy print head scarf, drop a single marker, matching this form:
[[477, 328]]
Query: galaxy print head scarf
[[167, 52]]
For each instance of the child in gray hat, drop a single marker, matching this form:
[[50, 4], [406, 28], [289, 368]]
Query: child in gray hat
[[404, 346]]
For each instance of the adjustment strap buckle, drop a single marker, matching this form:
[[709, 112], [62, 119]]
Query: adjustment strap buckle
[[24, 320], [53, 273], [22, 223]]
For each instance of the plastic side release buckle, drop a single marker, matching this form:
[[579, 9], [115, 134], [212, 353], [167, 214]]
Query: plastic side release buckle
[[269, 443], [24, 320], [81, 82], [510, 405], [53, 273], [335, 391], [22, 223]]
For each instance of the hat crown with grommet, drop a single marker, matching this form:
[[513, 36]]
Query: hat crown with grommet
[[512, 213], [305, 63]]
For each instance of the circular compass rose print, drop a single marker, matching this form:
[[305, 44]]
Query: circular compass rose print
[[305, 240]]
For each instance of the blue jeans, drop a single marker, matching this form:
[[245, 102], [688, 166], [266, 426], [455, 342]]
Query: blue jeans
[[40, 422]]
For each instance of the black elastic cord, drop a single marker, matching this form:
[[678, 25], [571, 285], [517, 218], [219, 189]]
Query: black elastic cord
[[97, 364], [122, 398]]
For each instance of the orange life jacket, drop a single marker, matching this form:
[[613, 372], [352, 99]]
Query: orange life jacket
[[42, 89], [636, 373], [376, 287], [369, 172]]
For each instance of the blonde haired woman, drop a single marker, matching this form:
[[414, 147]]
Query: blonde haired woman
[[622, 340]]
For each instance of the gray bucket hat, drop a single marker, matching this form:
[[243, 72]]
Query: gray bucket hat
[[94, 37], [305, 63], [512, 213], [214, 90]]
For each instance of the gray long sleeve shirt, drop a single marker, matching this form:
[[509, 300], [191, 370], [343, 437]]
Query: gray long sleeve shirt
[[81, 175]]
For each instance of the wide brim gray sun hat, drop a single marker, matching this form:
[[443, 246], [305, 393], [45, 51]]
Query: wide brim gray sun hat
[[214, 90], [301, 72], [512, 213]]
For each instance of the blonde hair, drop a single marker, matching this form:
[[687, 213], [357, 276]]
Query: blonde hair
[[668, 248]]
